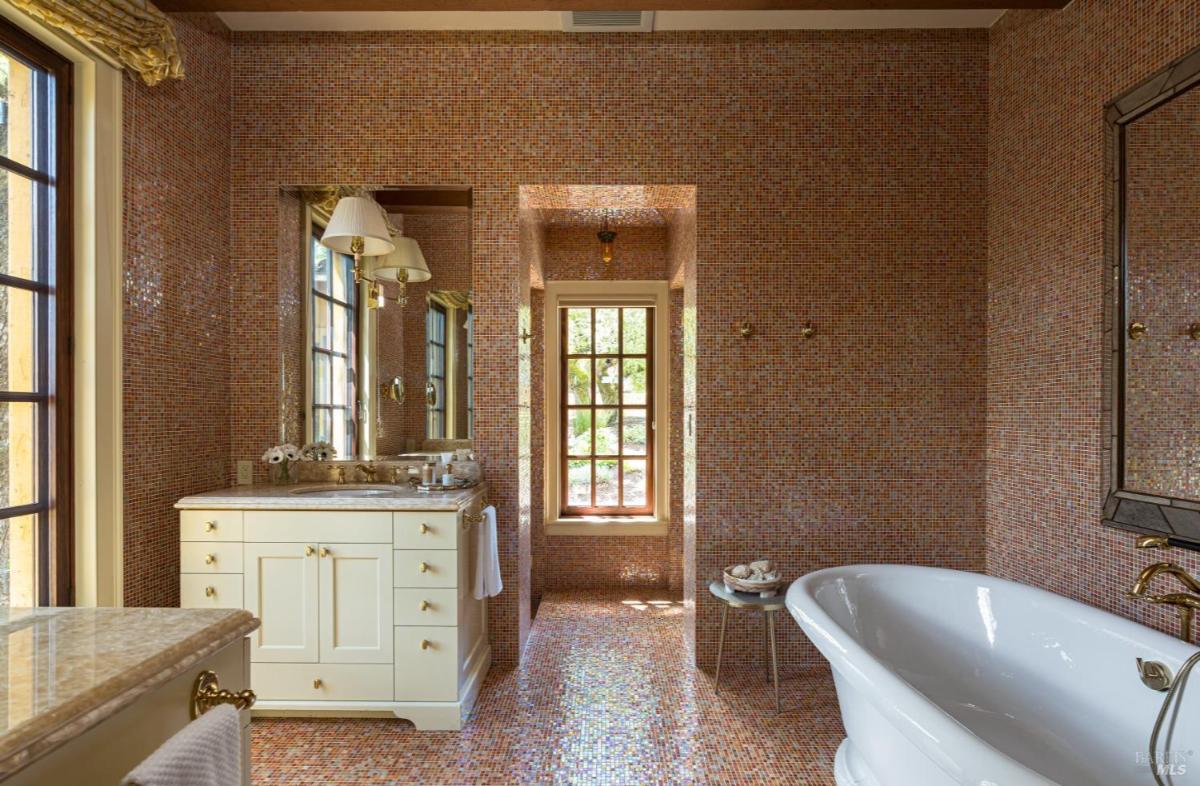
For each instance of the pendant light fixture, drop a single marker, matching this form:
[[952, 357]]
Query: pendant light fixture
[[606, 236]]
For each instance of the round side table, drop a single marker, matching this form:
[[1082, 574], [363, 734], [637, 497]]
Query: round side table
[[746, 600]]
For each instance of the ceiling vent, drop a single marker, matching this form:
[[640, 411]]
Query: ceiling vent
[[608, 21]]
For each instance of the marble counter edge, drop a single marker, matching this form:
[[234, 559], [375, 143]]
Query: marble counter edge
[[45, 733], [286, 500]]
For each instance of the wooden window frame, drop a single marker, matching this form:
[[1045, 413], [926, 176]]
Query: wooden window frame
[[565, 409], [438, 404], [561, 294], [54, 538], [350, 410]]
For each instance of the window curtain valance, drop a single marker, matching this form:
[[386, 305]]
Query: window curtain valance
[[134, 31]]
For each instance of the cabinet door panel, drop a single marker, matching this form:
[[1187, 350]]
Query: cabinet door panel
[[425, 568], [427, 664], [356, 603], [281, 590]]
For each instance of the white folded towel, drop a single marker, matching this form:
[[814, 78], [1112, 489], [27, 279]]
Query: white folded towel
[[207, 752], [487, 557]]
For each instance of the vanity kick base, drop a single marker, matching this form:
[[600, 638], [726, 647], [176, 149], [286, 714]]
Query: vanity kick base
[[364, 612]]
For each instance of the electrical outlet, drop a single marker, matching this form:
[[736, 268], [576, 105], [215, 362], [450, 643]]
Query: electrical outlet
[[245, 473]]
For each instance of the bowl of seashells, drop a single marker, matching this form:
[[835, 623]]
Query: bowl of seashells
[[759, 577]]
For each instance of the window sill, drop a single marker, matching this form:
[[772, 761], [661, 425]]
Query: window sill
[[608, 526]]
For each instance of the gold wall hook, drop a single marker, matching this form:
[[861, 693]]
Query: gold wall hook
[[808, 331], [1137, 330], [745, 328], [1194, 331], [207, 693]]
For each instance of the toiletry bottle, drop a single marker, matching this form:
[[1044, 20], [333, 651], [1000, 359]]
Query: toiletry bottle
[[427, 473], [448, 475]]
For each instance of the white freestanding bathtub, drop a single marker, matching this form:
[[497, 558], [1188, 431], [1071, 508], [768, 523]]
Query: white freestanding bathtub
[[946, 677]]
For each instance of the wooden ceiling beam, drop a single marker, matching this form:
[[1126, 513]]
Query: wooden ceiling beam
[[600, 5]]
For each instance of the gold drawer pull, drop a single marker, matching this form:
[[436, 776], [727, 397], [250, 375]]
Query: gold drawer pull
[[424, 528], [210, 559], [210, 591], [426, 644], [317, 683], [324, 552], [210, 526], [424, 605], [423, 568], [309, 551], [207, 693]]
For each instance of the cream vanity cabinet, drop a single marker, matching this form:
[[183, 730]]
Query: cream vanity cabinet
[[363, 611]]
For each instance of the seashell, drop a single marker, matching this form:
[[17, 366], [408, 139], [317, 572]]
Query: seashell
[[739, 571], [762, 566]]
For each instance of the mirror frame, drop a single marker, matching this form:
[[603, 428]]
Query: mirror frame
[[1177, 519]]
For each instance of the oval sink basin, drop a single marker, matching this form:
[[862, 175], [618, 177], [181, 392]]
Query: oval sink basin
[[348, 491]]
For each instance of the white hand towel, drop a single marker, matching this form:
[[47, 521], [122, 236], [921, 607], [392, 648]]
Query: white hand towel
[[207, 752], [487, 557]]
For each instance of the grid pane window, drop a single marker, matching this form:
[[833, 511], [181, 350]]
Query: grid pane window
[[607, 389], [334, 348], [435, 390], [35, 328]]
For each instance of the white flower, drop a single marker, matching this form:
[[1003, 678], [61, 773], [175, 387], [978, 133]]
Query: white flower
[[290, 452], [274, 455]]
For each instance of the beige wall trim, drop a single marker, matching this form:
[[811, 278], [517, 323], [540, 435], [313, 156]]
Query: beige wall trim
[[99, 495], [651, 293]]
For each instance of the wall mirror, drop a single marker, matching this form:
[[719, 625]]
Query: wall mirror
[[388, 339], [1153, 279]]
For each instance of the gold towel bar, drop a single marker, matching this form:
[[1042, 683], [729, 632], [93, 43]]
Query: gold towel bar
[[207, 693]]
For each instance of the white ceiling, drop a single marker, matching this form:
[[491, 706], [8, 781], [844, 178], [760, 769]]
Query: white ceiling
[[552, 20]]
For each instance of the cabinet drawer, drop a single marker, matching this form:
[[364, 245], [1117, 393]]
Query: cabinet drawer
[[210, 557], [418, 530], [440, 568], [315, 526], [430, 672], [210, 591], [321, 681], [425, 606], [210, 525]]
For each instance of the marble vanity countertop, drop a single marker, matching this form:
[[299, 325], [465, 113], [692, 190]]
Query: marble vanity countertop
[[68, 669], [294, 498]]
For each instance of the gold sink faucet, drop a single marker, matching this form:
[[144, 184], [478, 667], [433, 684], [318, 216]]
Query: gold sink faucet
[[367, 470], [1185, 602]]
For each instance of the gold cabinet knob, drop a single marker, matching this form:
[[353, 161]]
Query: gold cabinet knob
[[426, 644], [210, 559], [424, 605], [424, 528], [424, 568], [1137, 330], [324, 552], [210, 591], [210, 526], [309, 551], [317, 683]]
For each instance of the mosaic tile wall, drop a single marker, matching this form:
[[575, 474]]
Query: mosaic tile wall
[[1051, 75], [1162, 410], [571, 253], [177, 302], [863, 444]]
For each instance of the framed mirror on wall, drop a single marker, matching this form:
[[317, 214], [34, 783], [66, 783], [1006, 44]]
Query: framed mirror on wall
[[387, 345], [1153, 287]]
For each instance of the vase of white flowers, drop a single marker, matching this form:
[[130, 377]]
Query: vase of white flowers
[[318, 451], [279, 460]]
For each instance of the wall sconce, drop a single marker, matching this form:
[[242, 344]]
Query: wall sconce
[[404, 265], [358, 227]]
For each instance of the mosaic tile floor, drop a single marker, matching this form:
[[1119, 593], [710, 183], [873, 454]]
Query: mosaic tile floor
[[605, 696]]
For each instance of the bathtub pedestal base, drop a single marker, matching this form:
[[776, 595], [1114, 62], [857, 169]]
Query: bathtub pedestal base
[[849, 769]]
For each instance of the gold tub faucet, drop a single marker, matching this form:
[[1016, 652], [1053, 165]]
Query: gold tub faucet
[[1185, 602]]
